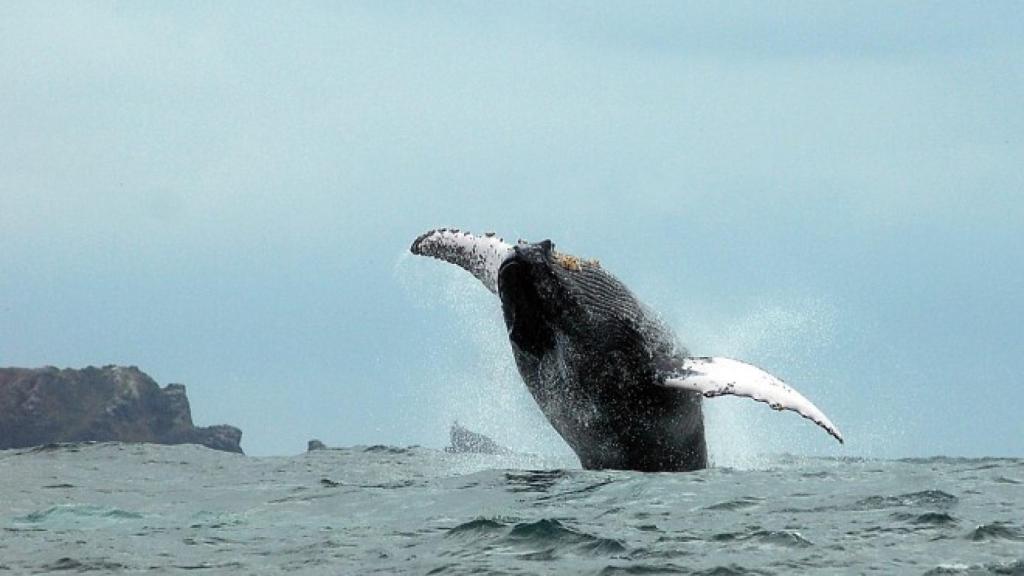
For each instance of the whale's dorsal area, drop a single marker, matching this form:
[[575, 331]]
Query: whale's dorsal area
[[714, 377], [605, 372]]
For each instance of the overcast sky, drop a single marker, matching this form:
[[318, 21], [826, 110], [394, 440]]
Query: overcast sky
[[224, 194]]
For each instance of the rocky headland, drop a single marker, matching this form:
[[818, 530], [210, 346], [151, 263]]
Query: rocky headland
[[109, 404]]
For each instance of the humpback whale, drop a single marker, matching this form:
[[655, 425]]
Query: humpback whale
[[607, 373]]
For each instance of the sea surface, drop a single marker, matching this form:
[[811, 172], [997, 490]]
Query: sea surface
[[131, 508]]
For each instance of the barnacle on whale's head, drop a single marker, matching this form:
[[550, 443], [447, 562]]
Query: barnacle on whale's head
[[574, 263]]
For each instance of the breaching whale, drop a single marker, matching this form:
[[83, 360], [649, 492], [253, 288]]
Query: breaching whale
[[605, 371]]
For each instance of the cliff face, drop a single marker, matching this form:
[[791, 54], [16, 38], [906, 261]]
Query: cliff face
[[113, 403]]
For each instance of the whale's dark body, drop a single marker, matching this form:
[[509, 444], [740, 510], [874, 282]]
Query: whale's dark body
[[605, 371], [592, 356]]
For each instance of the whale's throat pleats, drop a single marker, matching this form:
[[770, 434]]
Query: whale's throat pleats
[[607, 311], [605, 299]]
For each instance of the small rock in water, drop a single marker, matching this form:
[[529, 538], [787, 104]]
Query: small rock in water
[[467, 441]]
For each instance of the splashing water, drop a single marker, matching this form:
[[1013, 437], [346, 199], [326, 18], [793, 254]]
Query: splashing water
[[484, 392], [784, 340]]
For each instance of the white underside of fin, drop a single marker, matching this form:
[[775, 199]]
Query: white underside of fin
[[724, 376], [481, 256]]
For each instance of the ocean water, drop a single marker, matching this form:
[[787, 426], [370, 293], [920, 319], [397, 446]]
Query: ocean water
[[132, 508]]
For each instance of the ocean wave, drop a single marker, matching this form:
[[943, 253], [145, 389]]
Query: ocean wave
[[996, 531], [736, 504], [67, 513], [1012, 568], [936, 498], [781, 538], [142, 508]]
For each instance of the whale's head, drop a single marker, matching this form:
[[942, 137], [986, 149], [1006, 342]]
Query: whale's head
[[533, 294], [543, 292]]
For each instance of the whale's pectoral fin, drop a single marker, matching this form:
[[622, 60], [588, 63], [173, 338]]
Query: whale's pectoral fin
[[481, 256], [721, 376]]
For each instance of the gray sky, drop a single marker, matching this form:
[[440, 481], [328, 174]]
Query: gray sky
[[223, 195]]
